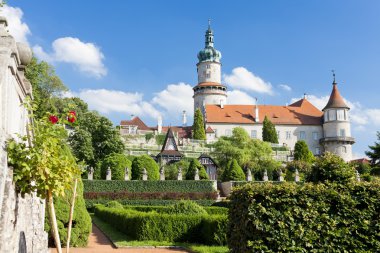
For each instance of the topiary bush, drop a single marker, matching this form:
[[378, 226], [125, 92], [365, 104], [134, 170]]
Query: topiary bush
[[117, 163], [195, 164], [145, 161], [81, 227], [114, 204], [233, 172], [186, 207], [307, 217]]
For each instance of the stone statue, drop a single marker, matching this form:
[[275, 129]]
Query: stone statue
[[162, 174], [196, 177], [108, 175], [357, 175], [265, 177], [179, 176], [90, 174], [126, 175], [297, 177], [145, 175], [249, 175], [280, 176]]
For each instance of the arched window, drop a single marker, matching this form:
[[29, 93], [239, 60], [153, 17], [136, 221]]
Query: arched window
[[344, 149]]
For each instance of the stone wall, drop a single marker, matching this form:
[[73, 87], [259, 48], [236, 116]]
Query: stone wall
[[21, 218]]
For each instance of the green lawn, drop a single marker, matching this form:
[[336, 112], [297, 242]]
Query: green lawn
[[121, 240]]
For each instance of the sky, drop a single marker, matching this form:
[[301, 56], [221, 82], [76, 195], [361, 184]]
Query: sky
[[139, 57]]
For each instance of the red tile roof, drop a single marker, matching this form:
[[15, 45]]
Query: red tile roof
[[336, 100], [136, 121], [301, 112], [209, 130]]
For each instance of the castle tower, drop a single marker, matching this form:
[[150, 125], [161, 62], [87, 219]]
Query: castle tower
[[336, 126], [209, 89]]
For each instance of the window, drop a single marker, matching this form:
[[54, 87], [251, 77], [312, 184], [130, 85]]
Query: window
[[332, 115], [208, 66], [216, 132], [340, 114], [288, 135], [317, 151], [208, 75], [315, 136], [326, 117], [228, 132], [278, 134], [344, 149], [342, 132], [302, 135], [254, 134]]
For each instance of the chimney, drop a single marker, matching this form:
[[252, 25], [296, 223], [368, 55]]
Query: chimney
[[184, 119], [257, 117], [159, 124], [221, 103]]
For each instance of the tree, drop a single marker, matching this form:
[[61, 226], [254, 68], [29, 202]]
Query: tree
[[331, 168], [374, 153], [241, 147], [198, 126], [171, 170], [117, 163], [81, 144], [145, 161], [269, 131], [302, 152], [233, 172], [195, 164]]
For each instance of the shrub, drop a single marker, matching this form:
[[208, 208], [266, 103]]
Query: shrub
[[306, 217], [233, 172], [165, 227], [81, 219], [270, 165], [114, 204], [331, 167], [186, 207], [302, 152], [117, 163], [212, 210], [149, 164], [148, 186], [160, 138], [151, 195], [171, 170], [195, 164], [303, 168], [269, 131]]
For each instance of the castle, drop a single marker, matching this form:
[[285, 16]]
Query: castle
[[326, 130]]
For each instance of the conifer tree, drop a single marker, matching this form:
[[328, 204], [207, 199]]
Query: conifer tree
[[374, 154], [269, 131], [195, 164], [233, 172], [302, 152], [198, 126]]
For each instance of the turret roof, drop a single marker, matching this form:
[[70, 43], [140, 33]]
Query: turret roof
[[336, 100]]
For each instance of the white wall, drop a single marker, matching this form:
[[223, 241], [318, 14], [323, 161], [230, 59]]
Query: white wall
[[209, 72]]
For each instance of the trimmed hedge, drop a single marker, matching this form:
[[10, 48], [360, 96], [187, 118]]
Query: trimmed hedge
[[90, 203], [164, 227], [151, 195], [212, 210], [306, 217], [147, 186]]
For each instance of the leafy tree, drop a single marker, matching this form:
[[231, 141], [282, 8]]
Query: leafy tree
[[117, 163], [241, 147], [332, 168], [233, 173], [198, 126], [81, 144], [145, 161], [304, 169], [374, 153], [302, 152], [171, 170], [269, 131], [195, 164], [270, 165]]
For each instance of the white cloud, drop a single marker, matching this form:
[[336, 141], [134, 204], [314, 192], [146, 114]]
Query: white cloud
[[107, 101], [237, 97], [285, 87], [174, 99], [87, 57], [241, 78], [17, 28]]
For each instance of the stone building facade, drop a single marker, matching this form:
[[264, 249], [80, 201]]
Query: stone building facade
[[21, 218]]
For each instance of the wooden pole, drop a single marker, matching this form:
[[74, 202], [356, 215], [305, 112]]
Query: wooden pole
[[53, 222], [72, 204]]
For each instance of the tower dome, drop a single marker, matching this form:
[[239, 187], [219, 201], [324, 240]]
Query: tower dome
[[209, 53]]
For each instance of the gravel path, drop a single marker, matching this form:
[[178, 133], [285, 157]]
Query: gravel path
[[99, 243]]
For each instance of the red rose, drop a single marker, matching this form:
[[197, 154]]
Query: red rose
[[53, 119], [71, 117]]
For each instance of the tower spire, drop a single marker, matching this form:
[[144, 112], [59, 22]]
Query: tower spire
[[209, 42], [333, 72], [209, 23]]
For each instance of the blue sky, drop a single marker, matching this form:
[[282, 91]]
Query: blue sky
[[139, 57]]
